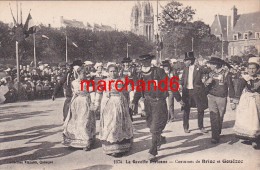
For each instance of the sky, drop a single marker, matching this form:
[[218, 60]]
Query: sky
[[115, 13]]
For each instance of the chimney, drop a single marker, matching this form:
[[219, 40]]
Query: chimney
[[233, 17]]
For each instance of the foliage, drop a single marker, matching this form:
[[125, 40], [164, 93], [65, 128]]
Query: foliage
[[236, 59], [178, 32], [92, 45]]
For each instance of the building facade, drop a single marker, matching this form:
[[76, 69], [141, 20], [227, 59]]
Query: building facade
[[142, 20], [240, 31]]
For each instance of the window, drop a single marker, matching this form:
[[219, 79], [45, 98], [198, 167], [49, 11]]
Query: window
[[245, 36], [136, 17], [246, 48], [219, 37], [235, 37], [257, 35]]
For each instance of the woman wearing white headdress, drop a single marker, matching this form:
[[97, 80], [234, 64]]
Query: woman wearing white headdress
[[116, 130], [80, 124], [98, 75], [3, 90], [247, 125]]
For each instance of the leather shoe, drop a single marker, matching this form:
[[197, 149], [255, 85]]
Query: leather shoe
[[203, 130], [214, 141], [151, 157], [255, 145], [186, 131], [162, 141]]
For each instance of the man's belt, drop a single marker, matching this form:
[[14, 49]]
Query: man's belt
[[154, 98]]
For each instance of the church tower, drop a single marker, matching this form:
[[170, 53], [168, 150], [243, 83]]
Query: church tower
[[142, 20]]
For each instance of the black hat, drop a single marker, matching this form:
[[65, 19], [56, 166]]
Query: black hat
[[189, 56], [215, 60], [77, 63], [228, 65], [134, 64], [251, 55], [126, 60], [166, 63], [146, 57]]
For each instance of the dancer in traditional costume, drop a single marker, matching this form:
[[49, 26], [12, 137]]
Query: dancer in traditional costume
[[247, 125], [80, 124], [116, 129]]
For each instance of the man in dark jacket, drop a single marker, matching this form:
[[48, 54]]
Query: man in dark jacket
[[66, 84], [129, 72], [193, 92], [172, 94], [220, 86], [154, 101]]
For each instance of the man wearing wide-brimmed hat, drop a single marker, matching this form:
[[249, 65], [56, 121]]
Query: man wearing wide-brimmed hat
[[154, 102], [66, 84], [193, 92], [220, 86], [172, 94]]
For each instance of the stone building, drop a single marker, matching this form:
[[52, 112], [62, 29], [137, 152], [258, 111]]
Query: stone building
[[71, 23], [239, 30], [142, 20]]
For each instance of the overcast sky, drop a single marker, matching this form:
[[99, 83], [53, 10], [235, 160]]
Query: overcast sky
[[116, 13]]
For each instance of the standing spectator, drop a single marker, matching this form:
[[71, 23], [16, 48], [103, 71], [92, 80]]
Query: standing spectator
[[29, 89], [38, 89], [193, 92], [22, 95], [46, 89], [129, 72], [65, 84], [3, 90], [172, 94], [11, 95]]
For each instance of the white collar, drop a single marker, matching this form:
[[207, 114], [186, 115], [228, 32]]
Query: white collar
[[146, 69], [192, 66]]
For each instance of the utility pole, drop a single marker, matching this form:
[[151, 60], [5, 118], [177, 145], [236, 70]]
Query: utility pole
[[127, 45], [192, 43], [222, 50], [34, 51], [66, 48]]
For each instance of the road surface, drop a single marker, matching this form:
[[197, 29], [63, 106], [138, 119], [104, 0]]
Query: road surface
[[31, 134]]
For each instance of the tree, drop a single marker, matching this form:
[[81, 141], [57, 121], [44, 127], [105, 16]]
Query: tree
[[181, 35], [174, 14], [7, 42], [92, 45], [250, 50]]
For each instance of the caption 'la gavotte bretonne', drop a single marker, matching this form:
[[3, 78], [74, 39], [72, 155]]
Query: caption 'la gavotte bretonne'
[[162, 85], [179, 161]]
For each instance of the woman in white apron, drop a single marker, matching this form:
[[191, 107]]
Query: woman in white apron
[[247, 125], [80, 124]]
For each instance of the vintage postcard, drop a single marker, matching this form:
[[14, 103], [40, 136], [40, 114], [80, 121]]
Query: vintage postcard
[[100, 85]]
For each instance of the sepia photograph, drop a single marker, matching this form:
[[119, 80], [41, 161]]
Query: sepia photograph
[[134, 84]]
